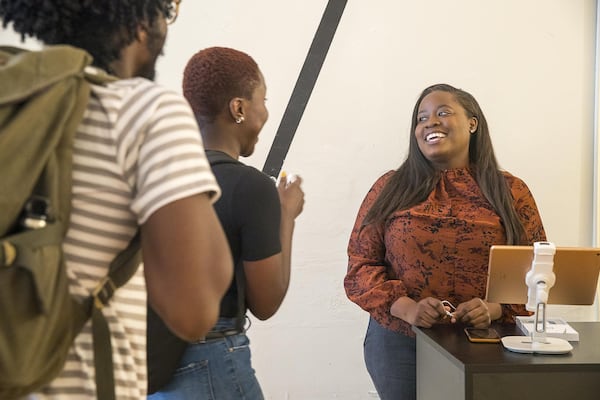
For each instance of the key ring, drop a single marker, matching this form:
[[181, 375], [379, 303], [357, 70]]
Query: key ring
[[450, 313]]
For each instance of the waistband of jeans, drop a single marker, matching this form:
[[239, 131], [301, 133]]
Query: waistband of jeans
[[220, 334]]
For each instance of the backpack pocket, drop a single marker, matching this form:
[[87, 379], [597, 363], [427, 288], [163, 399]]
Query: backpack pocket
[[36, 310]]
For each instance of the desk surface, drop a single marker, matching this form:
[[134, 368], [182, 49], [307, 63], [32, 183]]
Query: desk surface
[[451, 341]]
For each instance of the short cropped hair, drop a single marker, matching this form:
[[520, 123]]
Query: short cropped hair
[[214, 76]]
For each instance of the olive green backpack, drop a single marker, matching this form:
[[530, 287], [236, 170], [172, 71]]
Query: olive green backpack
[[43, 97]]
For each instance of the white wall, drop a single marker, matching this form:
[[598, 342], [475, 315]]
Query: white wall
[[529, 63]]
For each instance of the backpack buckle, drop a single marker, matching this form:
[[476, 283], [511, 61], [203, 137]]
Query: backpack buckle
[[8, 254], [103, 292]]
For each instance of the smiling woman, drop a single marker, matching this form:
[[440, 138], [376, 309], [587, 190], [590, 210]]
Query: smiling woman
[[443, 130], [227, 92], [423, 234]]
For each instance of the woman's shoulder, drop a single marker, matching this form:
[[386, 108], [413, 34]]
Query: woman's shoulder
[[377, 187], [383, 180], [510, 177], [252, 178], [514, 182]]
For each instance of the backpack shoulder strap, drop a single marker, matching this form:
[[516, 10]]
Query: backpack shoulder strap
[[25, 72], [121, 269]]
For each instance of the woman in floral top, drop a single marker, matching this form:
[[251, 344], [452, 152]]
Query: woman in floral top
[[423, 234]]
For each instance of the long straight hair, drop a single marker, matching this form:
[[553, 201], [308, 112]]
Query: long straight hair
[[414, 180]]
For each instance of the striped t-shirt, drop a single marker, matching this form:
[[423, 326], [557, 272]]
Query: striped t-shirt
[[137, 149]]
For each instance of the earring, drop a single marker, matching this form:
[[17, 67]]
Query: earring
[[239, 120], [472, 130]]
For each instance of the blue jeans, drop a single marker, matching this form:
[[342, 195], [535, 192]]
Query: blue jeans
[[219, 369], [391, 361]]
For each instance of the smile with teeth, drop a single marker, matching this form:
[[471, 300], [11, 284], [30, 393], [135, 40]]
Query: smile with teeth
[[434, 135]]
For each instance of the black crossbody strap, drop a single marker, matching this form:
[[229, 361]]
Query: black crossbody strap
[[215, 158], [240, 281]]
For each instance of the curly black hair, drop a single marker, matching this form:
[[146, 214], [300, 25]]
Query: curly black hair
[[102, 28]]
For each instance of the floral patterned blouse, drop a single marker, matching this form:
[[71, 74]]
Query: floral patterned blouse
[[438, 248]]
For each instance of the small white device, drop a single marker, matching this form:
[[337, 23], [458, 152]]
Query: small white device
[[290, 178], [539, 280]]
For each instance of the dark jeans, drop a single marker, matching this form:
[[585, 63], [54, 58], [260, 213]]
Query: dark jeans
[[391, 361]]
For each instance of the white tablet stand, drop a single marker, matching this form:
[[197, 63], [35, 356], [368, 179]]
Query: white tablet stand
[[539, 280]]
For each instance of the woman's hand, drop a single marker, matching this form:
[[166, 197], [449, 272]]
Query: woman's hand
[[291, 195], [476, 313], [424, 313]]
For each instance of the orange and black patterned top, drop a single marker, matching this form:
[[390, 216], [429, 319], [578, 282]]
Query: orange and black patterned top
[[438, 248]]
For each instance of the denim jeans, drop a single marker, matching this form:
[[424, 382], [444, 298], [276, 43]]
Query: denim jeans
[[219, 369], [391, 361]]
